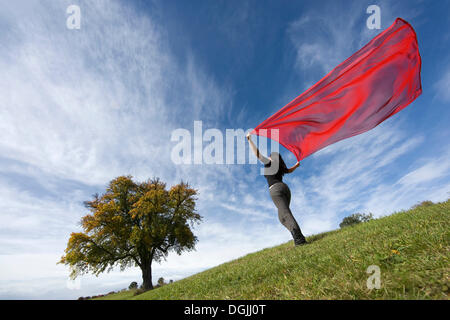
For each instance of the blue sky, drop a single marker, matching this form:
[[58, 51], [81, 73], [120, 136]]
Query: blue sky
[[80, 107]]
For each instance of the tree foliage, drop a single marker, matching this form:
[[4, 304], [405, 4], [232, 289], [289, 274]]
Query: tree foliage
[[133, 224], [425, 203], [355, 218], [161, 282]]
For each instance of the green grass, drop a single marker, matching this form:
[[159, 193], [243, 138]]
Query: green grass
[[410, 247], [123, 295]]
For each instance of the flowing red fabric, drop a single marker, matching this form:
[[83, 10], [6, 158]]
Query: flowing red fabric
[[373, 84]]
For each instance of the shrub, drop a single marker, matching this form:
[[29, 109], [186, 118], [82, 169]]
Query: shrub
[[426, 203], [161, 282], [355, 219]]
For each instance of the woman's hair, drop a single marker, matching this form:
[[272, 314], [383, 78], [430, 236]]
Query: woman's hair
[[275, 156]]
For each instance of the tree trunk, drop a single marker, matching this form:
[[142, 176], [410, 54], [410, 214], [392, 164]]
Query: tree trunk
[[147, 276]]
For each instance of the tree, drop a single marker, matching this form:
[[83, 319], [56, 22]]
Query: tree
[[425, 203], [161, 282], [133, 224], [355, 218]]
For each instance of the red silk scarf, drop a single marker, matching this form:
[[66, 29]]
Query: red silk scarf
[[373, 84]]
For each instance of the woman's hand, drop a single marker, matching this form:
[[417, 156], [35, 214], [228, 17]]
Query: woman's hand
[[248, 136], [295, 166]]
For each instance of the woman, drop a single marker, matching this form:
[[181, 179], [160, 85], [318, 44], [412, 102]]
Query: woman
[[274, 169]]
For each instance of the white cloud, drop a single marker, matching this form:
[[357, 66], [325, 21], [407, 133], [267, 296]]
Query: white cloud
[[97, 102], [325, 37], [433, 169], [443, 87]]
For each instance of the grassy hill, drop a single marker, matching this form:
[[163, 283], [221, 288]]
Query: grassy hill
[[410, 247]]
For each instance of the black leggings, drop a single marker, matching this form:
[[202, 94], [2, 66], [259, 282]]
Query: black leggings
[[281, 196]]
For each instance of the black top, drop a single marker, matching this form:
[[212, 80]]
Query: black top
[[273, 173]]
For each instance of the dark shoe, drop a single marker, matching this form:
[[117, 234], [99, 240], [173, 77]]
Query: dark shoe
[[299, 238], [300, 243]]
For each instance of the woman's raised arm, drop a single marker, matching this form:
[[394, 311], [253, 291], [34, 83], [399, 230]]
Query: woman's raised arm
[[256, 151]]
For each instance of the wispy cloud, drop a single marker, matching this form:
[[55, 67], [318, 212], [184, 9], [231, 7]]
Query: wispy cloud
[[432, 169], [442, 87], [93, 103], [325, 37]]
